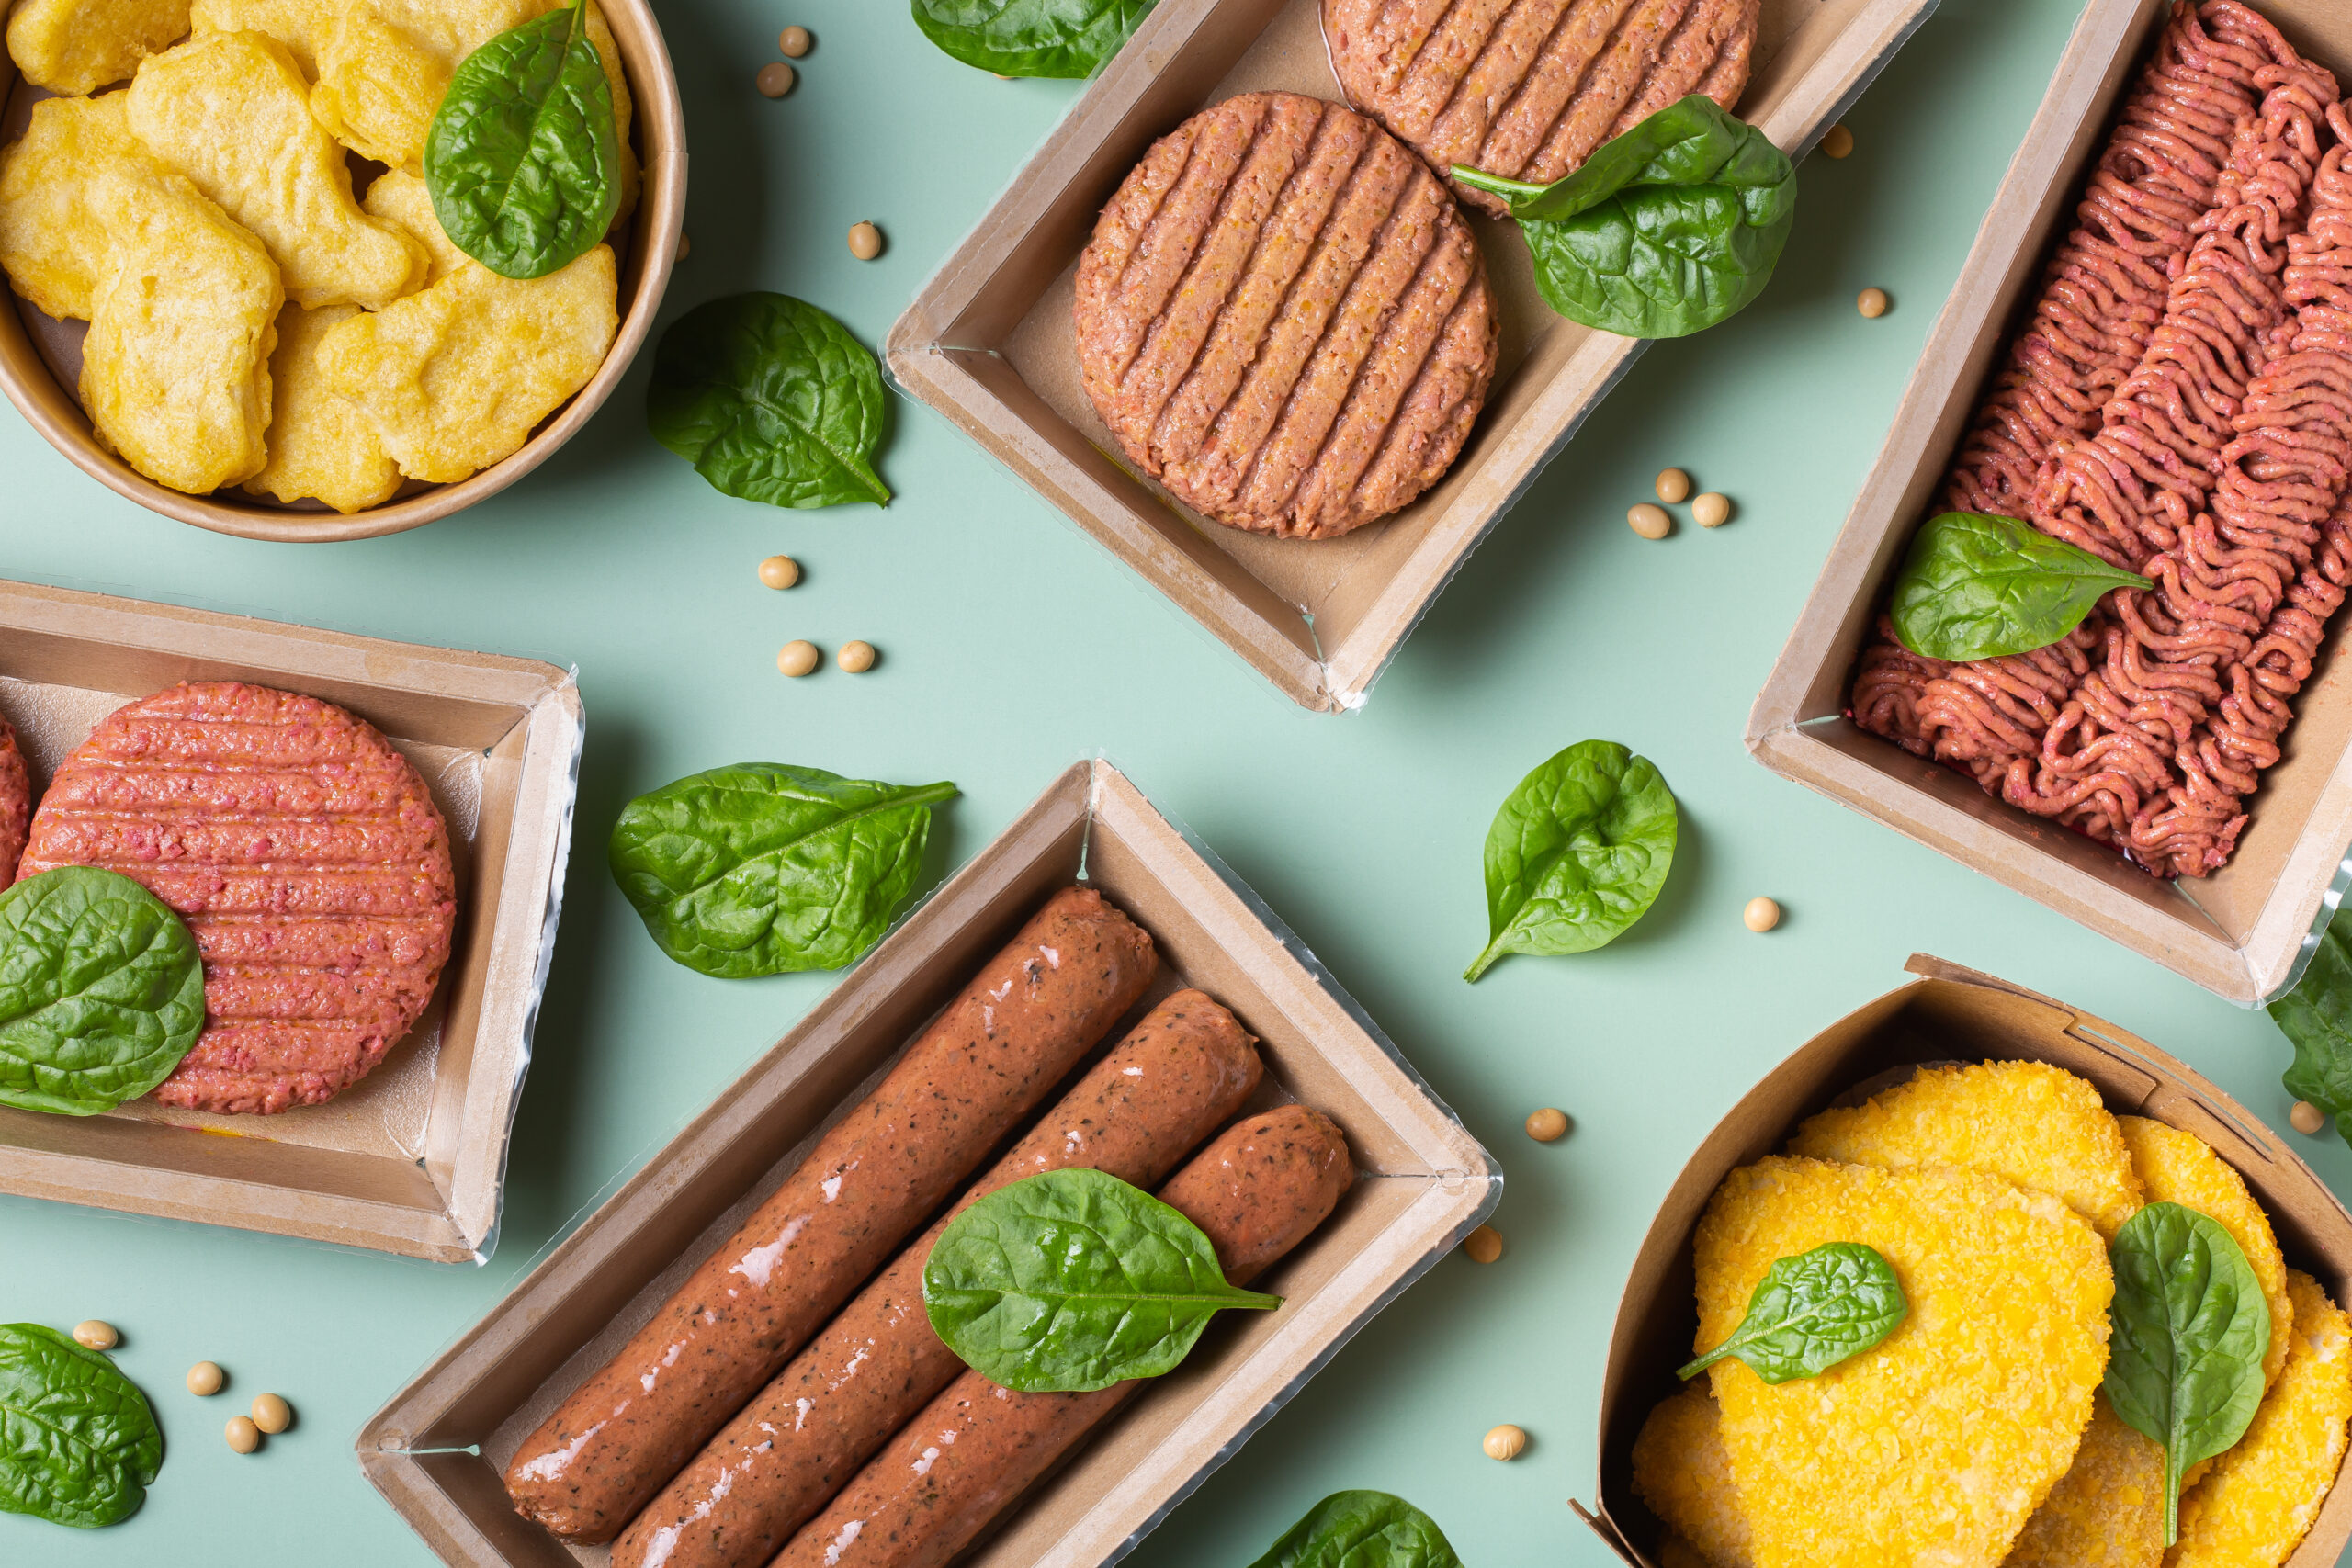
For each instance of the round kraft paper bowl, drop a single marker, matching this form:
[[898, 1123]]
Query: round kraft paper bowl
[[661, 135]]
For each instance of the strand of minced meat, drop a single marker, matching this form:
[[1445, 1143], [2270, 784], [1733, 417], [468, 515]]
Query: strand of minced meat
[[2104, 293]]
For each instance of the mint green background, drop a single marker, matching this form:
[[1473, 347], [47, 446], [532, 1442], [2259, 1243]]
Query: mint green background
[[1011, 646]]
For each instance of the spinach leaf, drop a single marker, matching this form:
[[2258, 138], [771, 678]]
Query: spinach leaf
[[1578, 852], [1977, 586], [764, 867], [1073, 1281], [78, 1445], [523, 157], [1361, 1529], [101, 991], [2191, 1328], [771, 400], [1666, 229], [1812, 1310], [1031, 38], [2316, 1018]]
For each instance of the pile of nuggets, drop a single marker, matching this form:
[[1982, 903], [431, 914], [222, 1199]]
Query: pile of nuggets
[[252, 321], [1976, 1434]]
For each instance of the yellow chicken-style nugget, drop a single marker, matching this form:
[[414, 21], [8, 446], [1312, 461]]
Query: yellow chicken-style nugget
[[2037, 1125], [175, 367], [2252, 1508], [52, 239], [73, 47], [321, 448], [302, 25], [1934, 1447], [2181, 1167], [1682, 1470], [456, 378], [2108, 1511], [230, 111], [403, 198]]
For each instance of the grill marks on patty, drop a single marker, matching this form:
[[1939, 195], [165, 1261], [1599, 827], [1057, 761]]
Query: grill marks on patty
[[1529, 89], [308, 859], [1282, 318]]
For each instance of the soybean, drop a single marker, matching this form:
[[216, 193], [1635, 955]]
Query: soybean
[[1836, 141], [272, 1414], [2306, 1119], [204, 1379], [1712, 510], [1547, 1125], [1650, 522], [1673, 485], [1873, 302], [242, 1435], [96, 1333], [776, 79], [1505, 1442], [1761, 915], [855, 658], [864, 241], [795, 42], [797, 657], [1484, 1245], [779, 572]]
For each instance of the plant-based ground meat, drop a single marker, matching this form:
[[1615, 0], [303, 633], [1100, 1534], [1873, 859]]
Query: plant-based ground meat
[[15, 803], [1283, 319], [1529, 88], [308, 859]]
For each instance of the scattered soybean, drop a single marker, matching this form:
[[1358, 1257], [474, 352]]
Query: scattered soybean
[[855, 658], [1506, 1442], [1649, 521], [1761, 914], [1484, 1245], [864, 241], [1712, 510], [205, 1378], [797, 657], [1673, 485], [1547, 1125], [779, 572], [795, 42], [1873, 302], [776, 79], [96, 1333]]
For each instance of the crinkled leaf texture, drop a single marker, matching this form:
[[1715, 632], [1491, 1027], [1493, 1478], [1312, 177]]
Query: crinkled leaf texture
[[78, 1444], [2191, 1329], [1031, 38], [1073, 1281], [1664, 230], [765, 867], [1977, 585], [523, 157], [2316, 1018], [1361, 1529], [1578, 852], [1811, 1311], [101, 991], [771, 400]]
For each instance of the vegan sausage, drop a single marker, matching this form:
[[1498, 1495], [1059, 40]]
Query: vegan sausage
[[1010, 1036], [1257, 1191], [1183, 1072]]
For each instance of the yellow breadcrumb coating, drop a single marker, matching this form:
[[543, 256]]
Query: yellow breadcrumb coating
[[73, 47], [2108, 1511], [2181, 1167], [1682, 1470], [1932, 1448], [321, 448], [52, 239], [2262, 1496], [2037, 1125]]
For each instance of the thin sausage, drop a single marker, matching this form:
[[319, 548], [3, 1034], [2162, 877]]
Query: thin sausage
[[1010, 1036], [1257, 1191], [1179, 1076]]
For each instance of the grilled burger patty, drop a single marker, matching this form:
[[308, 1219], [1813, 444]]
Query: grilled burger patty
[[1283, 319], [1529, 88], [16, 802], [308, 859]]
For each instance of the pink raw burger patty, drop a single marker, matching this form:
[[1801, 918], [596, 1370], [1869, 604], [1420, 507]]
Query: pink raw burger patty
[[308, 859], [16, 802]]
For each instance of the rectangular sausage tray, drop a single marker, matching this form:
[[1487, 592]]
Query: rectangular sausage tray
[[412, 1158], [437, 1449], [989, 344], [2245, 932]]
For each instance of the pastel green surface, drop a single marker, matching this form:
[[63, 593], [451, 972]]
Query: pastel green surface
[[1011, 646]]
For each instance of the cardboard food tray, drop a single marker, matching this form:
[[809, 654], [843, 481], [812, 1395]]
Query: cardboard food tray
[[2243, 933], [412, 1158], [989, 344], [436, 1451], [1950, 1014]]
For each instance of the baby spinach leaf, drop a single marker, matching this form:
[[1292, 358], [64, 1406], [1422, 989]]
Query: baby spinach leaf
[[1977, 586], [2316, 1018], [101, 991], [764, 867], [1664, 230], [1031, 38], [523, 157], [1812, 1310], [1578, 852], [1073, 1281], [78, 1444], [771, 400], [1361, 1529], [2191, 1328]]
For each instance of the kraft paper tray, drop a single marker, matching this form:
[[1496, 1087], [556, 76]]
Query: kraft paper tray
[[989, 340], [1948, 1014], [436, 1451], [412, 1158], [2247, 931]]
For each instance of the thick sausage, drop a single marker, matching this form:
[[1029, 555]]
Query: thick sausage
[[1257, 1191], [1181, 1073], [1008, 1038]]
